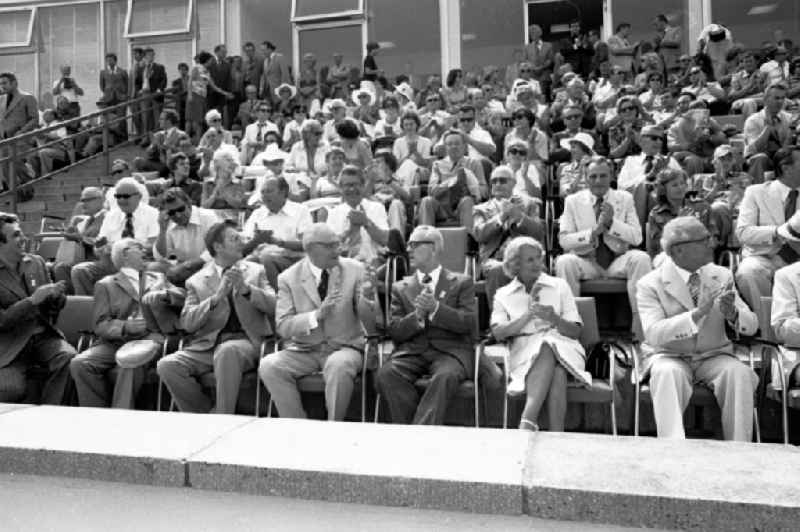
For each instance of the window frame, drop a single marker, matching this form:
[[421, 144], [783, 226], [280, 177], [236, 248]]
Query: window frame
[[185, 30], [358, 12], [297, 29], [28, 43]]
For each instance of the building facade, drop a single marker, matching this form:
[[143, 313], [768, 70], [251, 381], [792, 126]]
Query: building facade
[[417, 37]]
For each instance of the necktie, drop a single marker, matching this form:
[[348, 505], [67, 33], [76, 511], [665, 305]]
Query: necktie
[[694, 287], [322, 287], [603, 254], [427, 279], [648, 164], [260, 135], [787, 252], [127, 230]]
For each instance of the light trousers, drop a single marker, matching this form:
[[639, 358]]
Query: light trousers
[[89, 371], [672, 382], [281, 371], [754, 278]]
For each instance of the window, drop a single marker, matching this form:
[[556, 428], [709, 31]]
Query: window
[[70, 36], [16, 27], [208, 17], [322, 41], [752, 22], [261, 21], [490, 31], [416, 53], [640, 16], [158, 17], [304, 10]]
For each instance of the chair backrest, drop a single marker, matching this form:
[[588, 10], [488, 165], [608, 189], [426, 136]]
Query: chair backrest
[[765, 320], [75, 317], [590, 333], [455, 248], [48, 247]]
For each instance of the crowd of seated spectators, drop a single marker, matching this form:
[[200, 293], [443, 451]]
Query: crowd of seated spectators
[[286, 219]]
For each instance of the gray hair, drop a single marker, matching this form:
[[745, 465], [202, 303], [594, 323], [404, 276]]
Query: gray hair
[[513, 249], [119, 248], [319, 233], [682, 229], [430, 233]]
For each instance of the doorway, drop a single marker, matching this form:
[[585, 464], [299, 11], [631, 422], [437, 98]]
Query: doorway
[[554, 16]]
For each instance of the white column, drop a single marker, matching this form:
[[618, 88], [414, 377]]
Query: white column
[[698, 13], [233, 26], [608, 23], [450, 34]]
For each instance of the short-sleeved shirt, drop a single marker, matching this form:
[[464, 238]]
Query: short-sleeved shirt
[[145, 224], [288, 223], [368, 250], [189, 242]]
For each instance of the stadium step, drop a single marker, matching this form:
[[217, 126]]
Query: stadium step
[[59, 195]]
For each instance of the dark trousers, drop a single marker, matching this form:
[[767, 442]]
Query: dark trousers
[[396, 383], [54, 355]]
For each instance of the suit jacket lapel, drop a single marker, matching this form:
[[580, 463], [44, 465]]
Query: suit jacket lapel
[[126, 285], [11, 283], [14, 103], [310, 284], [674, 286], [443, 283]]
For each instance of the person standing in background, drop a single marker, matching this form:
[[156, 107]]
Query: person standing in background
[[113, 81], [67, 87], [668, 41], [220, 72]]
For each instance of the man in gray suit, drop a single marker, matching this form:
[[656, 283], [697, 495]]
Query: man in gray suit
[[686, 305], [113, 82], [18, 114], [325, 305], [276, 71], [228, 310], [129, 305], [432, 324], [541, 56]]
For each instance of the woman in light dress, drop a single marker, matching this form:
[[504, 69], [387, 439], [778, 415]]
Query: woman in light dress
[[537, 315]]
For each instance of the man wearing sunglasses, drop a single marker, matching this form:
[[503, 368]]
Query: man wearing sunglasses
[[687, 305], [181, 236], [83, 231], [133, 219], [254, 138]]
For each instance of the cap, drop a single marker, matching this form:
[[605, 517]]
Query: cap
[[137, 353], [89, 193], [319, 233], [652, 131], [722, 150]]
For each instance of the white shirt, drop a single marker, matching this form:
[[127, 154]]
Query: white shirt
[[533, 175], [289, 223], [632, 172], [145, 224], [188, 242], [376, 213], [298, 159], [382, 125], [401, 151], [250, 136], [481, 135], [775, 71]]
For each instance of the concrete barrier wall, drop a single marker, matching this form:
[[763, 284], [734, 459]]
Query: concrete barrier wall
[[690, 485]]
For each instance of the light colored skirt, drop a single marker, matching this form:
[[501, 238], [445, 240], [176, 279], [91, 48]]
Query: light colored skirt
[[525, 349]]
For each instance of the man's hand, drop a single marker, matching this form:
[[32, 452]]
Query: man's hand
[[154, 297], [46, 291], [704, 306], [236, 279], [135, 327], [425, 303], [512, 212], [606, 217], [727, 305], [328, 305], [357, 217]]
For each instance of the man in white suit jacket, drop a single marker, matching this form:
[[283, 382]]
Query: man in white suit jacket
[[763, 210], [597, 230], [685, 305], [785, 315], [228, 310], [325, 306]]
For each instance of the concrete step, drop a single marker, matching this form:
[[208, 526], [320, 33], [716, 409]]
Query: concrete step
[[643, 482]]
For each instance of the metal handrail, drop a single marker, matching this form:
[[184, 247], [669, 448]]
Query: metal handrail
[[18, 148]]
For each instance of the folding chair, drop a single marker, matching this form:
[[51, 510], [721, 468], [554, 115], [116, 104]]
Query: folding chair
[[315, 383], [455, 257], [468, 389], [775, 354], [601, 391], [702, 396], [75, 321]]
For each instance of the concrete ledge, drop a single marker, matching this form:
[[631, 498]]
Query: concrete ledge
[[101, 444], [423, 467], [690, 485]]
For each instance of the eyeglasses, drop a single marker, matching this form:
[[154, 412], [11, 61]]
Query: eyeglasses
[[501, 180], [262, 110], [626, 109], [125, 196], [518, 151], [467, 119], [572, 117], [328, 245], [432, 100], [176, 210], [525, 70], [85, 200], [316, 133], [417, 243], [215, 120], [703, 241]]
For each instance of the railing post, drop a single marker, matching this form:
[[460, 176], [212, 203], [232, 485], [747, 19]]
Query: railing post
[[12, 175], [106, 151]]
